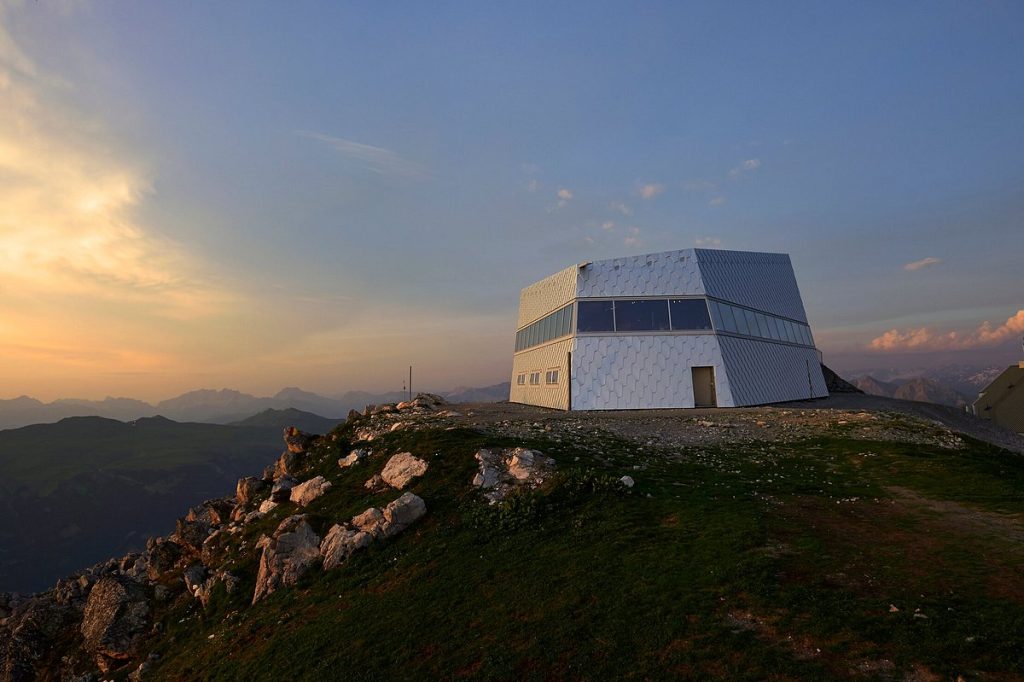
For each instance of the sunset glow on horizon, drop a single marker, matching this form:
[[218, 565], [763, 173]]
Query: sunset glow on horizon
[[265, 195]]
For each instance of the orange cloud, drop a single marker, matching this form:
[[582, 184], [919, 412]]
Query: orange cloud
[[926, 339]]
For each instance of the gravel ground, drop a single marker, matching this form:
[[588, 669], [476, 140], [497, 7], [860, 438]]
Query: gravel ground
[[857, 416]]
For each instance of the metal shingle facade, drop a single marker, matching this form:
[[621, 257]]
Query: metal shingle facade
[[654, 369]]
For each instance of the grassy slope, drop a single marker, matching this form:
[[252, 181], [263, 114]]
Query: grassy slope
[[750, 562]]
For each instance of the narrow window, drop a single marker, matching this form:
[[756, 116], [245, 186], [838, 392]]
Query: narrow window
[[762, 325], [741, 321], [690, 313], [521, 379], [551, 377], [641, 316], [751, 322], [595, 316]]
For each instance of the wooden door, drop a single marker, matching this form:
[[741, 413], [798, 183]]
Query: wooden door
[[704, 387]]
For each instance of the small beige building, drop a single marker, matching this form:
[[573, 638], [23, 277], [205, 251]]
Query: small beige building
[[1002, 401]]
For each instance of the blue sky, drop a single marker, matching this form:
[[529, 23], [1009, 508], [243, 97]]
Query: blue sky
[[320, 193]]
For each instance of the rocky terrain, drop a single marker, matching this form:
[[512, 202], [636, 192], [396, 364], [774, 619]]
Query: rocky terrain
[[422, 539]]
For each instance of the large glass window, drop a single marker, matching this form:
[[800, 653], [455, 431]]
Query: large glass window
[[689, 313], [641, 316], [728, 318], [595, 316]]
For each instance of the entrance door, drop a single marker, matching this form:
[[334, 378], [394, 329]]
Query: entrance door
[[704, 387]]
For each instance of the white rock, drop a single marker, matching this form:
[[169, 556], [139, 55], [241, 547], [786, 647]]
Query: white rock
[[292, 550], [402, 468], [304, 493], [627, 481], [402, 512], [340, 543]]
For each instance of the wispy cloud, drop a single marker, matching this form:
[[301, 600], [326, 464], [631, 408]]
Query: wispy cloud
[[650, 190], [745, 166], [716, 201], [608, 225], [923, 263], [620, 207], [928, 339], [707, 241], [564, 197], [374, 159]]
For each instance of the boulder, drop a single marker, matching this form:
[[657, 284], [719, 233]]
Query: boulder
[[353, 458], [340, 543], [282, 490], [194, 577], [267, 506], [297, 441], [305, 493], [190, 535], [521, 463], [161, 556], [115, 617], [375, 483], [365, 433], [489, 474], [29, 633], [627, 481], [402, 468], [370, 521], [211, 512], [287, 555], [247, 488], [401, 513], [288, 464]]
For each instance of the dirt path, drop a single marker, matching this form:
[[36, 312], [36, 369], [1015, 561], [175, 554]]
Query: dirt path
[[858, 416]]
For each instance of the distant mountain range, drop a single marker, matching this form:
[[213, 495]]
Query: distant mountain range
[[919, 389], [968, 380], [222, 406]]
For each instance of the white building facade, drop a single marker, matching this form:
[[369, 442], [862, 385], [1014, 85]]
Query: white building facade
[[690, 328]]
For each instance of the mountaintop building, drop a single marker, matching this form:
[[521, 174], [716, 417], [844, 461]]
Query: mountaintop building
[[689, 328], [1002, 401]]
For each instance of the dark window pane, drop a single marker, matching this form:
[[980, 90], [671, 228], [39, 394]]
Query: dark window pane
[[751, 322], [728, 318], [641, 316], [741, 321], [762, 324], [595, 316], [691, 313]]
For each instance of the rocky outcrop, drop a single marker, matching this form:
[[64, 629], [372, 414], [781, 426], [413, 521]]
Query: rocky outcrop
[[402, 468], [115, 617], [313, 489], [287, 555], [343, 540], [247, 489], [297, 441], [501, 471]]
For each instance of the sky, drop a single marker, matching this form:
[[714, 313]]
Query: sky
[[265, 194]]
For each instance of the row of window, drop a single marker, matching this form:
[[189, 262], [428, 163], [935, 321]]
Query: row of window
[[664, 314], [730, 318], [558, 323], [550, 378], [643, 315]]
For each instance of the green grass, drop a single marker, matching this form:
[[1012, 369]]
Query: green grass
[[748, 562]]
